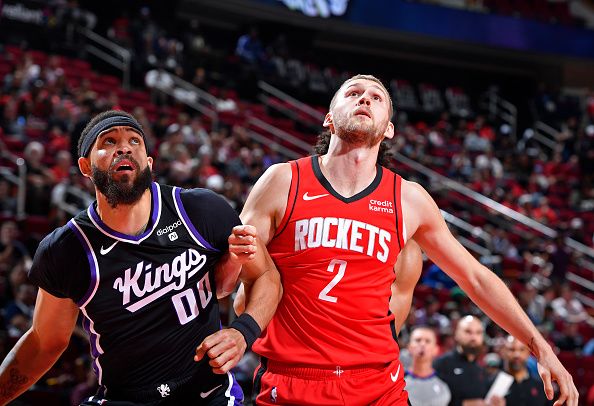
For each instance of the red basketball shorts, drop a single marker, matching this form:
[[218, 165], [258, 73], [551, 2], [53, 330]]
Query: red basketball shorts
[[277, 384]]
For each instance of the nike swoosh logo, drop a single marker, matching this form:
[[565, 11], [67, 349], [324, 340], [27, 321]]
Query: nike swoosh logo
[[206, 394], [306, 196], [104, 251], [395, 377]]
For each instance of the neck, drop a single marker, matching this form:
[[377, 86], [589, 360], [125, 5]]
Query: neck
[[422, 368], [349, 168], [129, 219], [519, 375]]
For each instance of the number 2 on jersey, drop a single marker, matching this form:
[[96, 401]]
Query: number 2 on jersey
[[341, 269]]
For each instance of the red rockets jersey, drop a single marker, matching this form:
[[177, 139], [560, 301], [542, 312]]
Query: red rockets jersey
[[336, 257]]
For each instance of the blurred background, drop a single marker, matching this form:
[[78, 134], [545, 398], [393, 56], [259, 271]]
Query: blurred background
[[494, 114]]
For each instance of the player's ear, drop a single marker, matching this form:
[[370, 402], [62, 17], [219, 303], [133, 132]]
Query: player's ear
[[389, 133], [84, 164], [328, 120], [150, 162]]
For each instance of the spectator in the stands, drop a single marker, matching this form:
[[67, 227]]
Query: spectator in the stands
[[61, 168], [8, 201], [559, 257], [567, 307], [12, 250], [487, 161], [570, 338], [536, 303], [525, 389], [19, 312], [429, 315], [40, 180], [544, 213], [249, 48]]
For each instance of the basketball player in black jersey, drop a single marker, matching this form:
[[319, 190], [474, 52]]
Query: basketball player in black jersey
[[144, 264]]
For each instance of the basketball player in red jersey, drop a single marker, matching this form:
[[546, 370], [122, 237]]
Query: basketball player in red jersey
[[334, 225]]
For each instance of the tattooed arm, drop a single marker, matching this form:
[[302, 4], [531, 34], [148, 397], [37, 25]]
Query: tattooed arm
[[38, 349]]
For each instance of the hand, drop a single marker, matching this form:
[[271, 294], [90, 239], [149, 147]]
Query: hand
[[550, 369], [496, 401], [224, 348], [242, 244]]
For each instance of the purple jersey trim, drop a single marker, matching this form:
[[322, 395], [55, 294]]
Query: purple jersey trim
[[156, 201], [91, 260], [195, 233]]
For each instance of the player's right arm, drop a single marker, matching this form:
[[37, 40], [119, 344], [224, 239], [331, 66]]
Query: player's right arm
[[408, 270], [264, 209], [266, 203], [39, 348]]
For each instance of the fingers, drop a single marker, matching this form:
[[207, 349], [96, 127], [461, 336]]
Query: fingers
[[242, 243], [568, 393], [545, 375], [245, 230], [224, 348]]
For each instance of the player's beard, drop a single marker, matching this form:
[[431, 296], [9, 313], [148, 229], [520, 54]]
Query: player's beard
[[122, 191], [358, 131]]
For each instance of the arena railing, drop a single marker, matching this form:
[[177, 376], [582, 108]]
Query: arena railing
[[192, 96], [586, 260], [502, 109], [19, 180], [281, 135], [273, 91], [546, 135], [275, 146], [112, 53]]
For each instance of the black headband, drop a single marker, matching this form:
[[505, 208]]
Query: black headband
[[106, 124]]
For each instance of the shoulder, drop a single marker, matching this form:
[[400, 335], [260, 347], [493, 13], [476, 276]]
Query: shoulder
[[62, 238], [272, 189], [60, 248], [413, 192], [204, 205], [277, 175], [200, 196]]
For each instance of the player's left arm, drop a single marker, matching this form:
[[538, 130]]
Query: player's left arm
[[261, 278], [408, 271], [427, 226]]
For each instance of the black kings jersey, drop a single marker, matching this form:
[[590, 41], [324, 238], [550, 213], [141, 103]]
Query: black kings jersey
[[147, 300]]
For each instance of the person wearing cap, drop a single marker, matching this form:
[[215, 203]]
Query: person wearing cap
[[144, 264]]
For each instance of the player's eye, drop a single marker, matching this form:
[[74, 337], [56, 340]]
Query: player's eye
[[353, 93]]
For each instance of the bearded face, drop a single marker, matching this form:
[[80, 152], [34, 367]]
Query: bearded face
[[360, 113], [122, 183], [358, 127]]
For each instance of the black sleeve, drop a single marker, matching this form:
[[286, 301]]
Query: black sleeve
[[60, 266], [211, 215], [439, 364]]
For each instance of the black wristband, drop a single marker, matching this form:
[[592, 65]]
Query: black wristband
[[247, 326]]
